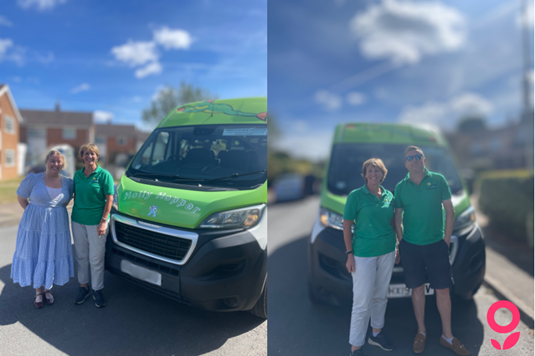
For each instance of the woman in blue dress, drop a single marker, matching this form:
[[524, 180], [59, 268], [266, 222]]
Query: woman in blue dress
[[43, 254]]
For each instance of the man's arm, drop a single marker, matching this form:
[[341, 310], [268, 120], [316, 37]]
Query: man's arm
[[450, 218], [397, 224]]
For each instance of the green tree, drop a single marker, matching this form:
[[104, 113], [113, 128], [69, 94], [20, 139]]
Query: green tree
[[169, 98], [471, 124]]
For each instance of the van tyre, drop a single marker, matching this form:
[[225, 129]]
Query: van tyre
[[260, 308]]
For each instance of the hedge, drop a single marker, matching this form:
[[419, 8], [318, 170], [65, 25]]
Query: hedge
[[506, 197]]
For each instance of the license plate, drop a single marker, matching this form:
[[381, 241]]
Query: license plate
[[401, 291], [141, 273]]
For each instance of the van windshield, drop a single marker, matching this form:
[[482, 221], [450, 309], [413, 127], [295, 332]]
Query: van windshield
[[233, 156], [345, 166]]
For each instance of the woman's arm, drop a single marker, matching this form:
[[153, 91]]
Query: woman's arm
[[23, 202], [107, 208], [348, 240]]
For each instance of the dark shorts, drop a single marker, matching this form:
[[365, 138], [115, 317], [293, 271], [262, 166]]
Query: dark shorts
[[433, 258]]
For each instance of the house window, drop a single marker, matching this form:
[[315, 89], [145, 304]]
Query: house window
[[100, 139], [121, 141], [9, 124], [10, 158], [69, 134], [36, 133]]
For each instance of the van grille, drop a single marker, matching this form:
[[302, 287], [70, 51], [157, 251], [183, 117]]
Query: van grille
[[159, 244]]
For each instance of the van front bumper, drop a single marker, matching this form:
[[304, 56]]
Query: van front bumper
[[329, 280], [225, 271]]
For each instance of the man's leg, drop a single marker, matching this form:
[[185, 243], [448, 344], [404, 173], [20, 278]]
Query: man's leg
[[444, 308], [418, 303]]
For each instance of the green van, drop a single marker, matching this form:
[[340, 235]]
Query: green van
[[189, 218], [353, 144]]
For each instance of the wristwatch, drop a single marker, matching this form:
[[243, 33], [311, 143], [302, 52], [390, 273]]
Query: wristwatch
[[349, 252]]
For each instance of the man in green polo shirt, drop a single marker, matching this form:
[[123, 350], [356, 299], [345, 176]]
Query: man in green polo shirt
[[419, 199]]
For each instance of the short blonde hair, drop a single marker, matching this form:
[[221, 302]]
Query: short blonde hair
[[375, 162], [54, 153], [89, 147], [418, 149]]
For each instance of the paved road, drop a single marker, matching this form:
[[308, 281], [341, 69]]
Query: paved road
[[134, 322], [297, 327]]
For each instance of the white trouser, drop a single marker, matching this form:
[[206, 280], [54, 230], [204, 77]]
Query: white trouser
[[90, 251], [370, 286]]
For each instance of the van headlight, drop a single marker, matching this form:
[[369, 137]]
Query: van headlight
[[115, 197], [330, 219], [466, 219], [244, 218]]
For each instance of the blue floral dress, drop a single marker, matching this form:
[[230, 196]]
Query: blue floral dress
[[43, 255]]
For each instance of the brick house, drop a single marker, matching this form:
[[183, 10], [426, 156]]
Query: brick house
[[10, 119], [42, 129], [118, 141]]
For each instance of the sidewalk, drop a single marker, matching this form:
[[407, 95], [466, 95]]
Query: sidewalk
[[10, 214], [509, 267]]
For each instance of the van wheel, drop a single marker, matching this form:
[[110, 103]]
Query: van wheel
[[260, 308]]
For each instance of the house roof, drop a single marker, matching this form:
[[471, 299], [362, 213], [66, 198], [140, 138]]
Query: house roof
[[56, 117], [4, 89], [115, 130]]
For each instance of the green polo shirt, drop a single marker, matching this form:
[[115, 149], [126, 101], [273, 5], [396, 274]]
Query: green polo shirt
[[374, 235], [423, 219], [91, 195]]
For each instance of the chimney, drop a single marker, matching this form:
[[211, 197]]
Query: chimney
[[57, 106]]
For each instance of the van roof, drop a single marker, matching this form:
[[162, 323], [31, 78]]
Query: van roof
[[209, 112], [387, 133]]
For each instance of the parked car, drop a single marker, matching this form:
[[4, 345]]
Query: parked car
[[353, 144], [289, 186], [189, 219]]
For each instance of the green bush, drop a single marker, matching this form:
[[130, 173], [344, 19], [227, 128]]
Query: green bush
[[506, 197]]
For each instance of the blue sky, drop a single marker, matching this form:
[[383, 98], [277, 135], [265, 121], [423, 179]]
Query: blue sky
[[111, 57], [421, 62]]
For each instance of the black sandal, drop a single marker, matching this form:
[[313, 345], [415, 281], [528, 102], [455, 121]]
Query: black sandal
[[47, 300], [37, 304]]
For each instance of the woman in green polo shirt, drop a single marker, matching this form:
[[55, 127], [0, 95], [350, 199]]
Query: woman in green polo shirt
[[93, 198], [371, 254]]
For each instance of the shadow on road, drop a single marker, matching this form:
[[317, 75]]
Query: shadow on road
[[134, 322], [298, 327]]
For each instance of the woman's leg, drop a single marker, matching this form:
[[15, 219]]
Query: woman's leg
[[363, 289], [385, 264], [97, 252], [81, 249], [39, 298]]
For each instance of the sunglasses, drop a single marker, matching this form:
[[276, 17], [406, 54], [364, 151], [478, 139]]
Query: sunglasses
[[417, 157]]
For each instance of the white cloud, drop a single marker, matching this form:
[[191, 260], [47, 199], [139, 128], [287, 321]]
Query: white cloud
[[309, 145], [447, 114], [136, 53], [330, 101], [102, 116], [300, 126], [151, 68], [10, 52], [4, 46], [405, 31], [173, 39], [354, 98], [81, 87], [16, 79], [40, 4], [5, 22], [525, 19]]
